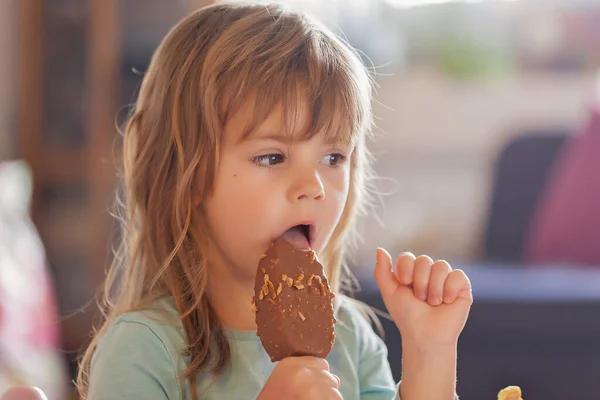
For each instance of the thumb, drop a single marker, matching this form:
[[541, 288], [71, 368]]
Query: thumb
[[384, 276]]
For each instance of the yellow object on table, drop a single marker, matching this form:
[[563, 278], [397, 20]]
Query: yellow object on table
[[510, 393]]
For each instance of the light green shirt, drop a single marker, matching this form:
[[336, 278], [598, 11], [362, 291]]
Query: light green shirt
[[140, 357]]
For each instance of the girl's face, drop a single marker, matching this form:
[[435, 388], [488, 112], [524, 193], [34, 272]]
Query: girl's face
[[268, 183]]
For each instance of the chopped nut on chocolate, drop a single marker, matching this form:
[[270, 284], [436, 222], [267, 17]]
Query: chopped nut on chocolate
[[279, 288], [290, 282], [310, 279], [300, 277], [302, 317], [323, 290], [272, 289]]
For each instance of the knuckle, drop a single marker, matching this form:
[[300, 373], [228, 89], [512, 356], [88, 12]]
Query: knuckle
[[287, 363], [324, 364], [297, 374]]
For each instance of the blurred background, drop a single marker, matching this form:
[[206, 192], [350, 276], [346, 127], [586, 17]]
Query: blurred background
[[487, 146]]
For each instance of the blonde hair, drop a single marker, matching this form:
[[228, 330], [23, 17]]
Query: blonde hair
[[200, 75]]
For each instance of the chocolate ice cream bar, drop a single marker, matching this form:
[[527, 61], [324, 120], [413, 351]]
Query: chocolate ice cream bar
[[293, 303]]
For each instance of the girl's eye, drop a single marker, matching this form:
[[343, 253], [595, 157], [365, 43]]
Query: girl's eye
[[334, 160], [269, 160]]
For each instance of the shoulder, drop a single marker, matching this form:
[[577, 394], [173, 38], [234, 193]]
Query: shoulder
[[140, 351], [360, 358], [354, 323], [158, 326], [352, 314], [161, 323]]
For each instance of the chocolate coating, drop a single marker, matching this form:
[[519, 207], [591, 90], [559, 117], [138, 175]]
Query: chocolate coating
[[293, 303]]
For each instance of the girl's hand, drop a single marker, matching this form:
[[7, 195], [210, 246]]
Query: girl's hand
[[23, 393], [299, 378], [429, 301]]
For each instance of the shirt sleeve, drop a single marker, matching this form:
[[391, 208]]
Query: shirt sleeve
[[132, 362], [374, 372]]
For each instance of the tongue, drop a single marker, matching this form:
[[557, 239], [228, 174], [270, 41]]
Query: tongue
[[296, 237]]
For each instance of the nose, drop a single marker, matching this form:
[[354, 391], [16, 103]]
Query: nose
[[307, 185]]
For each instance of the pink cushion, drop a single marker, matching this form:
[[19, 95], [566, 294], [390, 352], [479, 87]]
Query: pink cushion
[[566, 225]]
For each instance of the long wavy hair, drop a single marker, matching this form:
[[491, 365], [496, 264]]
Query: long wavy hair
[[201, 73]]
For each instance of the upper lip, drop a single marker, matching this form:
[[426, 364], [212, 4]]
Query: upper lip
[[311, 230]]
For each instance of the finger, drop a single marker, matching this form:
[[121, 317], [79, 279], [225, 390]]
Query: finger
[[404, 268], [384, 276], [329, 393], [457, 286], [339, 382], [333, 394], [437, 279], [311, 362], [421, 276], [327, 378]]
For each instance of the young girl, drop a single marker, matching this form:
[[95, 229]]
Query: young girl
[[252, 120]]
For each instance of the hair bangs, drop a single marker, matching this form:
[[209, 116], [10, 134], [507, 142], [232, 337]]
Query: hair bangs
[[311, 82]]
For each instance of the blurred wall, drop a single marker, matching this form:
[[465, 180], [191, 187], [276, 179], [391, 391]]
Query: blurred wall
[[437, 151], [8, 56]]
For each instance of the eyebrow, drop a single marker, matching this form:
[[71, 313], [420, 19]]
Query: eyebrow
[[281, 138], [278, 137]]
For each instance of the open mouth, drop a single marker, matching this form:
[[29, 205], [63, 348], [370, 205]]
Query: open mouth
[[299, 236]]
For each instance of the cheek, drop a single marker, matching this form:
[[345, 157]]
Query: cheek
[[338, 195], [239, 200], [340, 185]]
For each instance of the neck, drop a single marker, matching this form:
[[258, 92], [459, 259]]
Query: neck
[[231, 298]]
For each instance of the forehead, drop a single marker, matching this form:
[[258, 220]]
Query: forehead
[[291, 123]]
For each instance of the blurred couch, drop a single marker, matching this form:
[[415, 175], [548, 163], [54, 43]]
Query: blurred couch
[[566, 223], [519, 178], [544, 204], [533, 328]]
